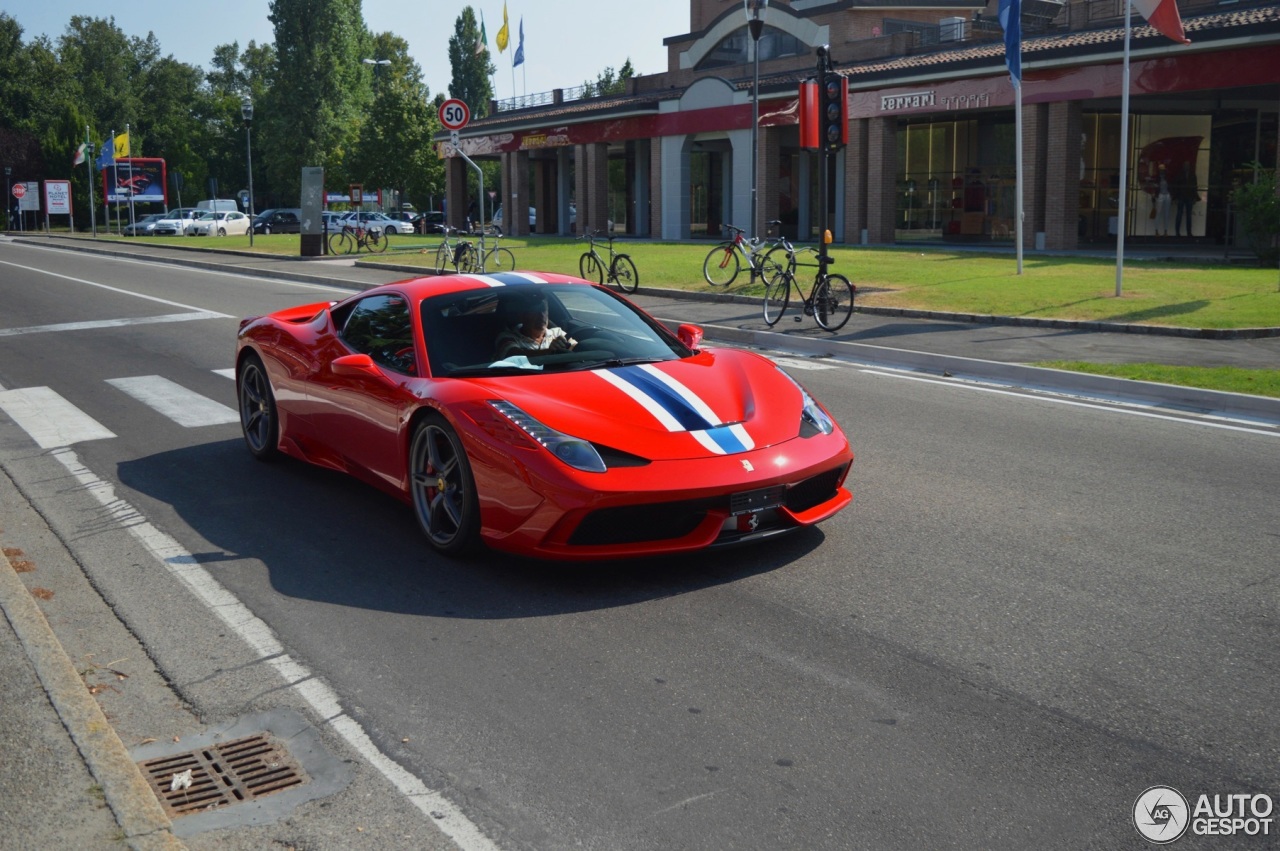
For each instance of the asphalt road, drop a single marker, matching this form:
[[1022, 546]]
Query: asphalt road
[[1035, 609]]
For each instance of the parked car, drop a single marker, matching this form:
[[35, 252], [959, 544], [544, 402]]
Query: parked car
[[278, 220], [378, 221], [496, 220], [144, 226], [176, 220], [219, 224], [431, 221]]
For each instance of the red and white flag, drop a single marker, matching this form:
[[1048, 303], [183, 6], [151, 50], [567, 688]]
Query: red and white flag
[[1163, 15], [78, 157]]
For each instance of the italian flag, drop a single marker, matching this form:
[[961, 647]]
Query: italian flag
[[1163, 15]]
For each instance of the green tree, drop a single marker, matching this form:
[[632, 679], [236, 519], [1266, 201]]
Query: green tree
[[395, 148], [319, 92], [1258, 207], [608, 83], [471, 72]]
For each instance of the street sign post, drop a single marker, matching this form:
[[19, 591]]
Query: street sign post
[[454, 114]]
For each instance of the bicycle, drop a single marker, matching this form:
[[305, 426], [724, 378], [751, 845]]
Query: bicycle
[[830, 300], [725, 260], [622, 271], [478, 257], [456, 254], [352, 239]]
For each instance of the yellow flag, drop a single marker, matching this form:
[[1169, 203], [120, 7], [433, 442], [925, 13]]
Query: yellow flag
[[122, 145], [504, 34]]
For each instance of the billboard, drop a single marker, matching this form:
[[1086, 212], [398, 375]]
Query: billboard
[[138, 178], [57, 197]]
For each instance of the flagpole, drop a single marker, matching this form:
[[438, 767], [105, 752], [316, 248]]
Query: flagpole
[[129, 142], [90, 162], [1017, 136], [1124, 153]]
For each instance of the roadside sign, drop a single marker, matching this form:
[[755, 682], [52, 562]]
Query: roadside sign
[[19, 190], [454, 114], [453, 139], [57, 197]]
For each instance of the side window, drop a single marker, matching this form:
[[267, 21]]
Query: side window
[[379, 326]]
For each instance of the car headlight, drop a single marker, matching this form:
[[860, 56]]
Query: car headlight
[[811, 413], [574, 451]]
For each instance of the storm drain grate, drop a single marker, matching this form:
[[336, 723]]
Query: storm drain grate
[[227, 773]]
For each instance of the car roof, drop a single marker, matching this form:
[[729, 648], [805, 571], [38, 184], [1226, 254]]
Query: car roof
[[433, 285]]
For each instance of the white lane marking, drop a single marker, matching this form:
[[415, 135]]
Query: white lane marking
[[116, 289], [327, 704], [801, 363], [185, 407], [227, 373], [1097, 406], [110, 323], [49, 419]]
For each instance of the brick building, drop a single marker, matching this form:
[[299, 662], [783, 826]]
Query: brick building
[[931, 137]]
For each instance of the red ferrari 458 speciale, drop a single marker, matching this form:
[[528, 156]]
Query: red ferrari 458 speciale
[[540, 414]]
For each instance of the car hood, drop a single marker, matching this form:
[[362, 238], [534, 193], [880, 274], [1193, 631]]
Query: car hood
[[714, 403]]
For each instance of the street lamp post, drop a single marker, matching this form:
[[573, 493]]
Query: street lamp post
[[378, 65], [246, 110], [754, 10], [8, 190]]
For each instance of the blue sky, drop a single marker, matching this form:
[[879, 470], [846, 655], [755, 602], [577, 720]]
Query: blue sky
[[565, 43]]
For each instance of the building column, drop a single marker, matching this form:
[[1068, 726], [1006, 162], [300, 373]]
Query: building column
[[855, 182], [767, 190], [455, 192], [654, 211], [882, 179], [1062, 176], [514, 195], [1035, 122], [593, 188]]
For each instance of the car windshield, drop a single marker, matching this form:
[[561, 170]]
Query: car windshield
[[462, 332]]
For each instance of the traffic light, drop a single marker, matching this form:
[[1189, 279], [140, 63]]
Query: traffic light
[[809, 109], [834, 96]]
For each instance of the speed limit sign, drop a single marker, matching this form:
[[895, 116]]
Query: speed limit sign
[[454, 114]]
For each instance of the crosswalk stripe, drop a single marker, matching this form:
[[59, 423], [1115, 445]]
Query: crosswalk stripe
[[51, 420], [185, 407], [109, 323], [801, 363]]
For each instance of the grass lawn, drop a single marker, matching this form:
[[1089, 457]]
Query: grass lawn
[[1156, 293]]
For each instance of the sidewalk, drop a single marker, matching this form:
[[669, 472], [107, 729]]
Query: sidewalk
[[67, 780]]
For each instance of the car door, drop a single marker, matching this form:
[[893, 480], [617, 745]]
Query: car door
[[359, 405]]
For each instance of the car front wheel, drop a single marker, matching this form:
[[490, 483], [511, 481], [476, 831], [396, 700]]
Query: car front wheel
[[259, 419], [443, 488]]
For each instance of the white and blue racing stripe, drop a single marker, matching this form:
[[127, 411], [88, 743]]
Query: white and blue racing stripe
[[508, 279], [678, 408]]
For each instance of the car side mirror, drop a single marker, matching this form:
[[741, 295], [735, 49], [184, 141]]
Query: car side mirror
[[355, 366], [690, 336]]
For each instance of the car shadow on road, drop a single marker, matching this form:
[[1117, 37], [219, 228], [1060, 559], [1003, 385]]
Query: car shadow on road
[[326, 537]]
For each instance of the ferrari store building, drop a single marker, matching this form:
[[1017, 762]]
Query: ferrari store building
[[931, 110]]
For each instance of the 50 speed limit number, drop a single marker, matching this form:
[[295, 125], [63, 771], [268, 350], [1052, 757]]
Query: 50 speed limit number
[[454, 114]]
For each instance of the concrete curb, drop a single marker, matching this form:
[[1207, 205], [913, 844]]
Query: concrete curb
[[1169, 396], [134, 805]]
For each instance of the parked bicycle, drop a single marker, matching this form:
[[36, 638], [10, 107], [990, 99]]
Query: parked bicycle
[[621, 270], [830, 300], [352, 238], [482, 258], [453, 255], [727, 259]]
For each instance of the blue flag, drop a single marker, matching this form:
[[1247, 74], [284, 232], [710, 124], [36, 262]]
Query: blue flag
[[1011, 21], [106, 157], [519, 57]]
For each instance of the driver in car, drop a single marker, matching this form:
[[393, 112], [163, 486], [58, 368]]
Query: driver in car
[[532, 331]]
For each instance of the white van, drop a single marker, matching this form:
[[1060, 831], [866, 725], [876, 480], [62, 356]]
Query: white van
[[221, 205]]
